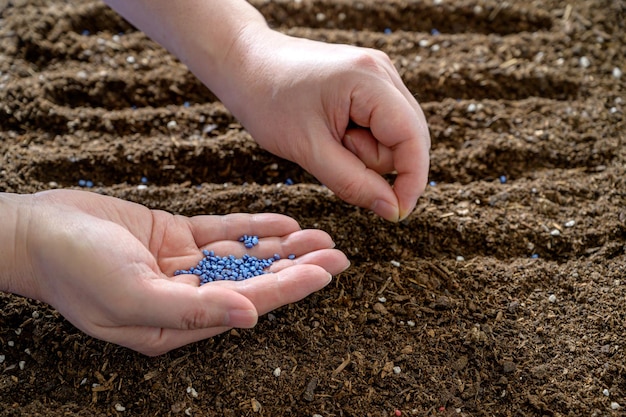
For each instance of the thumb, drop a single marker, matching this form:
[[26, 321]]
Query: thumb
[[173, 305]]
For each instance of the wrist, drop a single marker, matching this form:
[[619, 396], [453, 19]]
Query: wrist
[[15, 272], [202, 34]]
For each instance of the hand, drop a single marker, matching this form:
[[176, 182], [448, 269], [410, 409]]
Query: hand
[[107, 265], [298, 98]]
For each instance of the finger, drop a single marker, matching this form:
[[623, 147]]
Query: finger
[[270, 291], [332, 260], [350, 179], [207, 229], [393, 122], [296, 243], [364, 145]]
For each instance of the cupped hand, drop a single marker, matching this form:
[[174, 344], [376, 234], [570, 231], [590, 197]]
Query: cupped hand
[[107, 265], [341, 112]]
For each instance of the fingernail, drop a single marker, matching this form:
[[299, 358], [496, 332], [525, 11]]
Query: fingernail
[[404, 215], [242, 318], [385, 210], [330, 279]]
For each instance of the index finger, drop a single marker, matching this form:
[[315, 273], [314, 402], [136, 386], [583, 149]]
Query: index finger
[[400, 126], [207, 228]]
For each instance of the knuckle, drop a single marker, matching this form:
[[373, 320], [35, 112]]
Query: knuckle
[[197, 318], [350, 191]]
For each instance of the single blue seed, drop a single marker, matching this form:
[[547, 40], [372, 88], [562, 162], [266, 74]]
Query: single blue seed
[[387, 31], [289, 181], [82, 183], [534, 256], [85, 32], [502, 179], [255, 240], [276, 256], [88, 184], [432, 183], [435, 32], [186, 104], [292, 256], [144, 180]]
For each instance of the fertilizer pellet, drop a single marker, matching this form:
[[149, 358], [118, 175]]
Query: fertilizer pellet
[[249, 241], [227, 268], [230, 268]]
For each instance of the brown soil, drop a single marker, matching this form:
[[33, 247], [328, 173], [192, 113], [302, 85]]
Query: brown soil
[[507, 92]]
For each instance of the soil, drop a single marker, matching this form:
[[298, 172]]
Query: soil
[[502, 295]]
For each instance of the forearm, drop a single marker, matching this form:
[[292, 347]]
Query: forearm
[[14, 270], [202, 33]]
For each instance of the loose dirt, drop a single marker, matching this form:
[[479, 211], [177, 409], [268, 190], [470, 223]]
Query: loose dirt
[[502, 295]]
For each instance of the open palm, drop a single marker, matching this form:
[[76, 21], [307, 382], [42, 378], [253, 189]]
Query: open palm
[[107, 265]]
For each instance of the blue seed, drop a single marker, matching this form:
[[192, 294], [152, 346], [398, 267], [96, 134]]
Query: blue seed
[[435, 32], [88, 184], [292, 256], [502, 179], [288, 181], [387, 31]]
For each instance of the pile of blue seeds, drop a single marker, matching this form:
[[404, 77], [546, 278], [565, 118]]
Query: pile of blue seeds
[[230, 268]]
